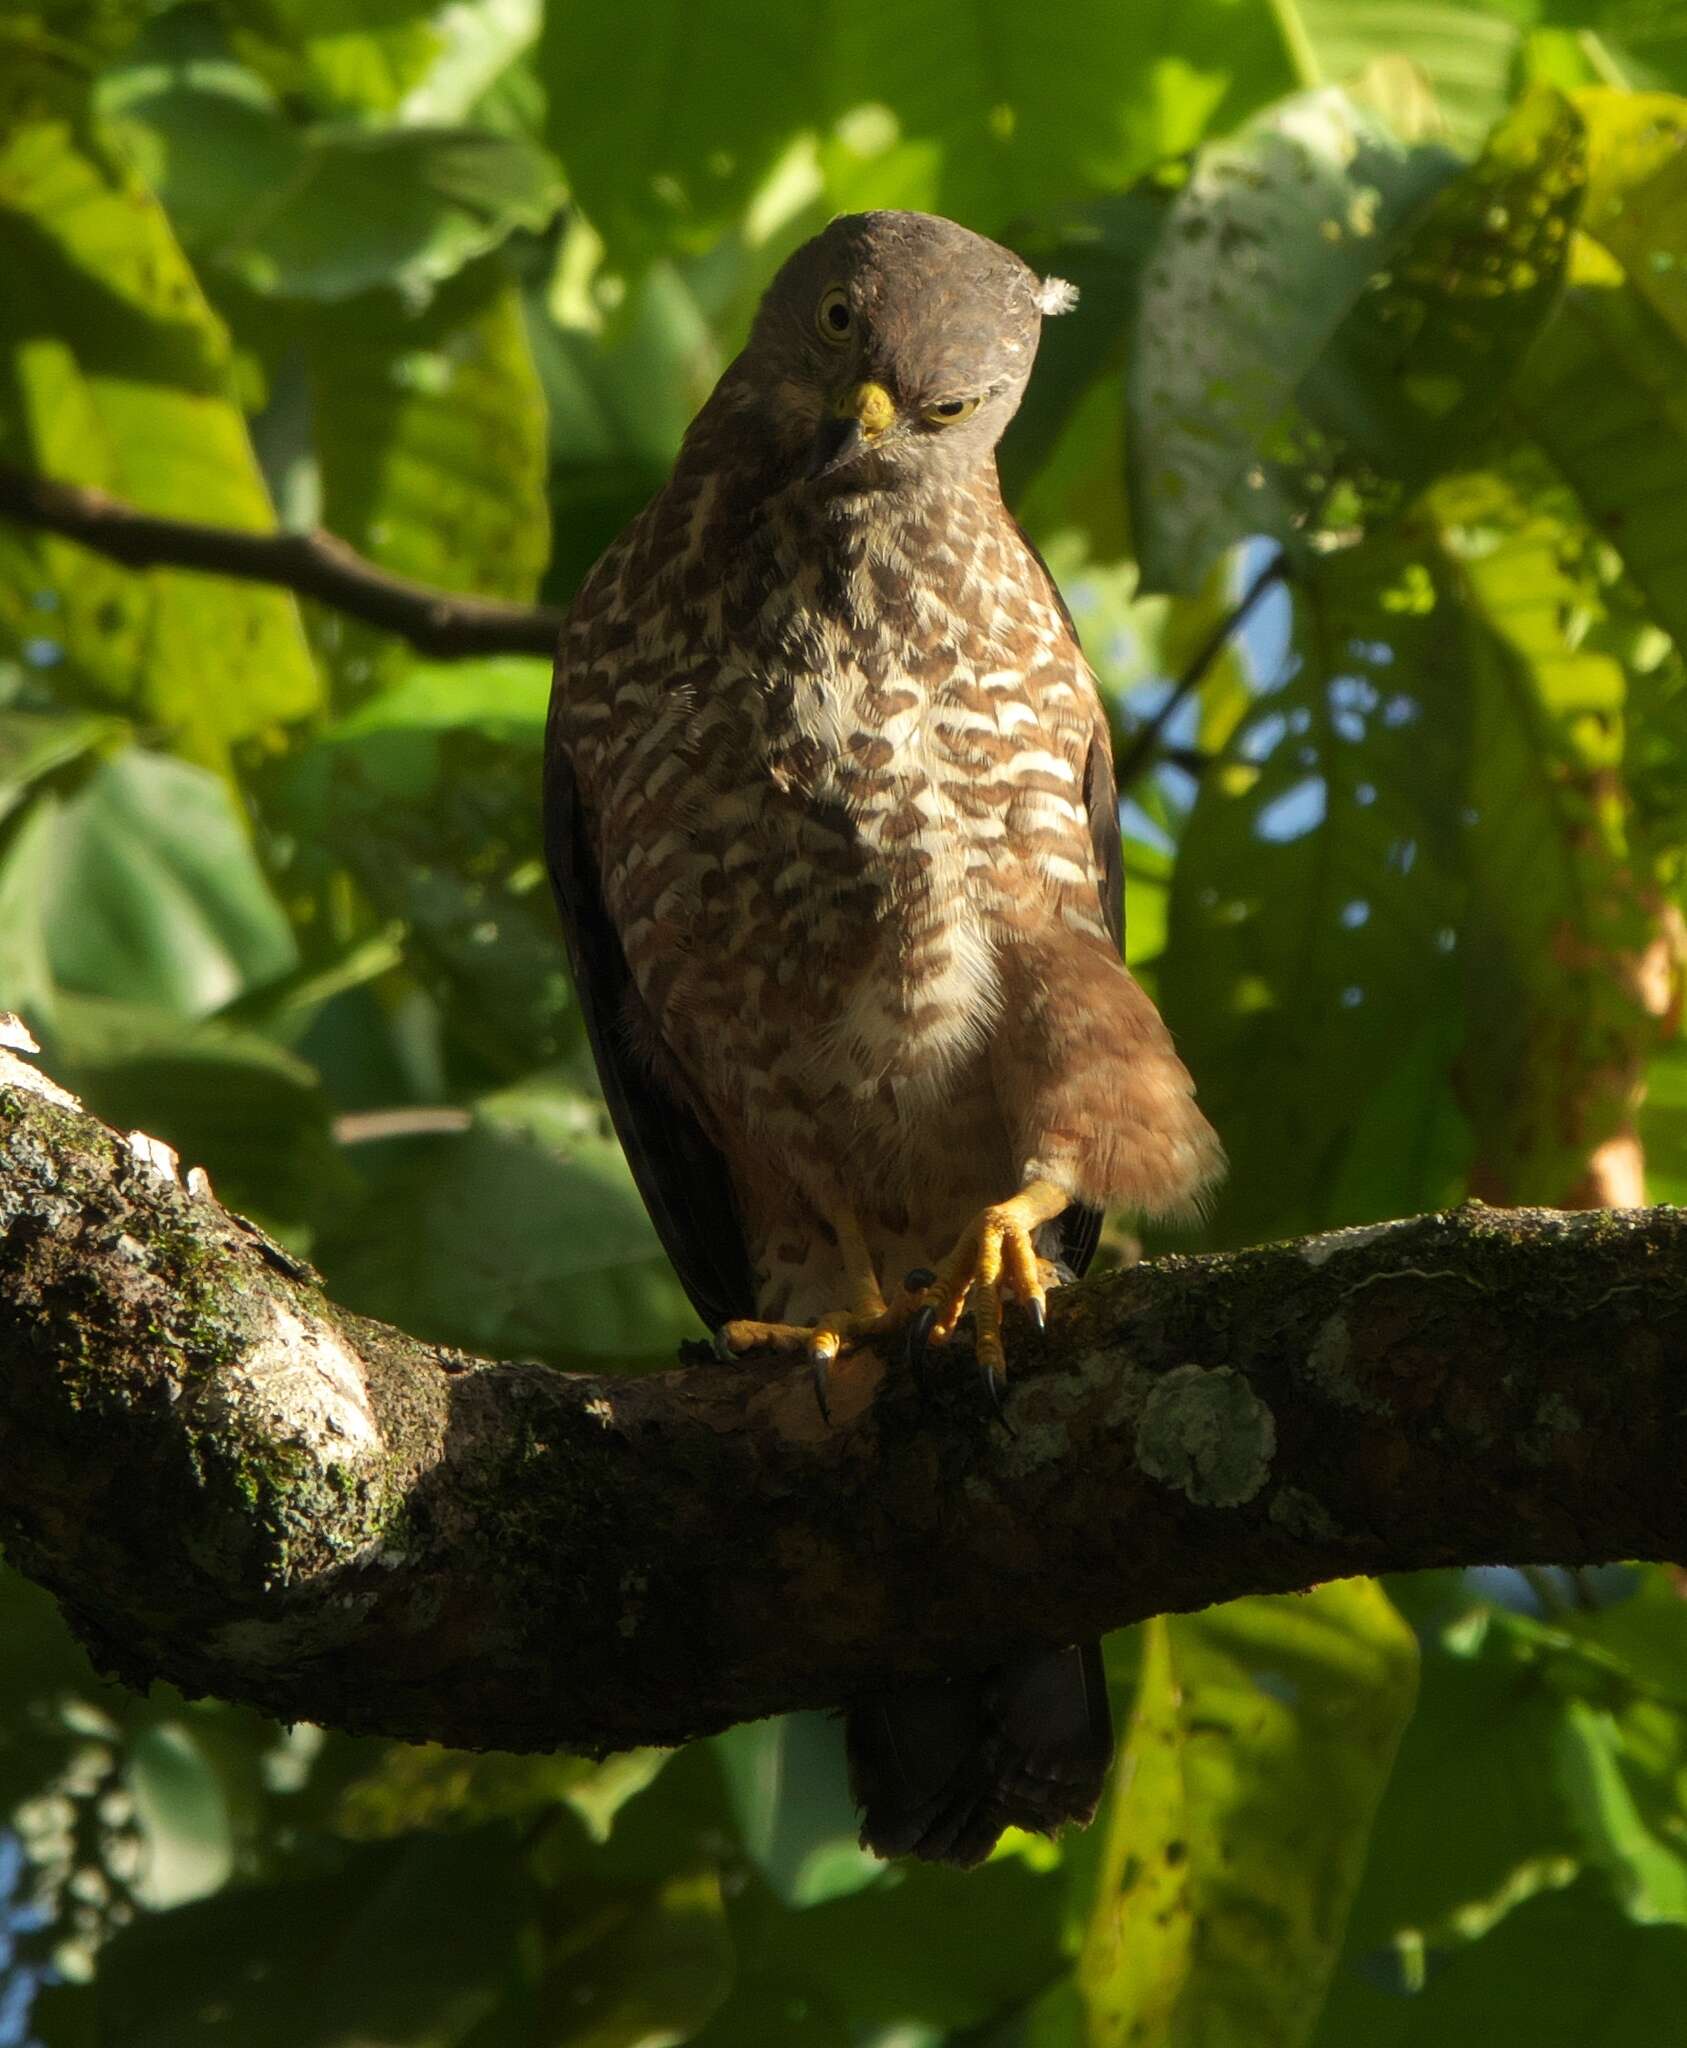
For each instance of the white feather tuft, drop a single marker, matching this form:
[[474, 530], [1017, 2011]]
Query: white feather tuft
[[1054, 295]]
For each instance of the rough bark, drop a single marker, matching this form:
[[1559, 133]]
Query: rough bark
[[235, 1485]]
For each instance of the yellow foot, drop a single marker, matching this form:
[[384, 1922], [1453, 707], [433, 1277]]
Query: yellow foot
[[821, 1342], [995, 1251]]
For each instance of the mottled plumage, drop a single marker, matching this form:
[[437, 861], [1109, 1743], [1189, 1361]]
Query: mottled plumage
[[832, 820]]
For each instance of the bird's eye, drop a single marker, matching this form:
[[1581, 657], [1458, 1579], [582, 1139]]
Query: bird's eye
[[835, 317], [948, 410]]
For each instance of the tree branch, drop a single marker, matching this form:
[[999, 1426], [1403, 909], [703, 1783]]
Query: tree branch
[[235, 1485], [442, 623]]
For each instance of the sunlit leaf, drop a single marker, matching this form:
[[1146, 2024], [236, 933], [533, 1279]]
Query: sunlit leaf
[[1264, 252], [415, 59], [1239, 1816], [113, 372], [27, 985], [1602, 389], [1610, 1784], [980, 111], [429, 433], [1464, 50], [1663, 1125], [1327, 318], [1557, 1027], [419, 1785]]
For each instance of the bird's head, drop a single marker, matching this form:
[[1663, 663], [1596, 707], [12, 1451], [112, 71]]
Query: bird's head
[[893, 349]]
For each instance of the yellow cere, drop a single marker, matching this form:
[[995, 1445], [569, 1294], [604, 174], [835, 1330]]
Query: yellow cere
[[871, 404]]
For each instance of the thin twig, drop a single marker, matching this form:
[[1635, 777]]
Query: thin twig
[[442, 623], [1138, 753], [410, 1120]]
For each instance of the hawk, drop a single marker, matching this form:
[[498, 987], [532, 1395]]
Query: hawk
[[831, 819]]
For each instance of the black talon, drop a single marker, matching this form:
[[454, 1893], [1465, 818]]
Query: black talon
[[820, 1372], [723, 1350], [915, 1332], [1038, 1314], [918, 1279], [993, 1385]]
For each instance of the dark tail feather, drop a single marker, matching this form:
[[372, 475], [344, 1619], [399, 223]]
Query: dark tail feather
[[940, 1768]]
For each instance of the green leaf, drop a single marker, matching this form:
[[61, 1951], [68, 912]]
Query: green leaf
[[622, 383], [1312, 971], [416, 60], [982, 111], [1262, 255], [1414, 373], [1633, 42], [927, 1950], [1557, 1030], [1564, 1971], [403, 208], [85, 31], [790, 1792], [113, 372], [430, 436], [524, 1235], [654, 1970], [1663, 1122], [409, 1944], [1327, 319], [997, 109], [254, 1116], [1239, 1817], [419, 1785], [1465, 53], [34, 744], [26, 975], [1596, 1771], [187, 1841], [427, 796], [207, 134], [1470, 1825], [154, 894], [1602, 390], [320, 213]]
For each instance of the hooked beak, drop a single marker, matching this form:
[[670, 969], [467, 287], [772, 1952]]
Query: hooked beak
[[861, 418]]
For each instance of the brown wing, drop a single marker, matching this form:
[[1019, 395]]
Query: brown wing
[[1080, 1228], [679, 1171], [1101, 800]]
